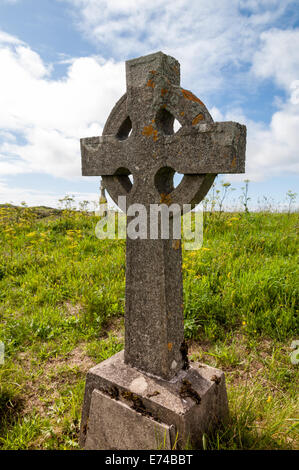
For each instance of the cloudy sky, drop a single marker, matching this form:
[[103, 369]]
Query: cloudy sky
[[62, 70]]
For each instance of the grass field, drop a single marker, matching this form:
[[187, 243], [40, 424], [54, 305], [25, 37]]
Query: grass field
[[62, 305]]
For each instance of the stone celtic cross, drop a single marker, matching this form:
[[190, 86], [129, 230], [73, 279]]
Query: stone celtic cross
[[139, 139]]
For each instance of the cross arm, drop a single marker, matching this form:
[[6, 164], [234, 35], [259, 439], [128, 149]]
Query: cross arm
[[103, 155], [210, 148]]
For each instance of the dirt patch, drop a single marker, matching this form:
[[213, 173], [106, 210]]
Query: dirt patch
[[251, 361], [10, 407], [42, 388], [73, 310], [115, 326]]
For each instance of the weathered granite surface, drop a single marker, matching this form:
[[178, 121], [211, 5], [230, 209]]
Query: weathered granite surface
[[113, 422], [192, 403]]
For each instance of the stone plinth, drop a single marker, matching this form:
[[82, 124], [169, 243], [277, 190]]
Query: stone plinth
[[125, 408]]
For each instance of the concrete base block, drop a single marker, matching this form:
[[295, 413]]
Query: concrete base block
[[125, 408]]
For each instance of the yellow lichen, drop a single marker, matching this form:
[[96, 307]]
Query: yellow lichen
[[149, 131], [176, 69], [165, 199], [176, 244], [169, 345], [197, 118], [234, 162], [189, 96], [150, 83]]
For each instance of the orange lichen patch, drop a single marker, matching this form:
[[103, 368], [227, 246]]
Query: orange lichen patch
[[182, 113], [189, 96], [153, 120], [169, 345], [164, 91], [153, 72], [150, 83], [165, 199], [176, 244], [149, 131], [176, 69], [197, 118], [234, 162]]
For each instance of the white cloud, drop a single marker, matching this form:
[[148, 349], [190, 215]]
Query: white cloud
[[295, 92], [51, 115], [272, 150], [210, 39], [278, 57], [16, 195], [8, 38], [9, 1]]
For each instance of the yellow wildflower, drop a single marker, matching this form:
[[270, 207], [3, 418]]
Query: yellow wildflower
[[31, 234]]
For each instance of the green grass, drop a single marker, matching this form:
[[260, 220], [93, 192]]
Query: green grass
[[61, 311]]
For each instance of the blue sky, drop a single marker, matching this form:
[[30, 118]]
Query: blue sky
[[62, 70]]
